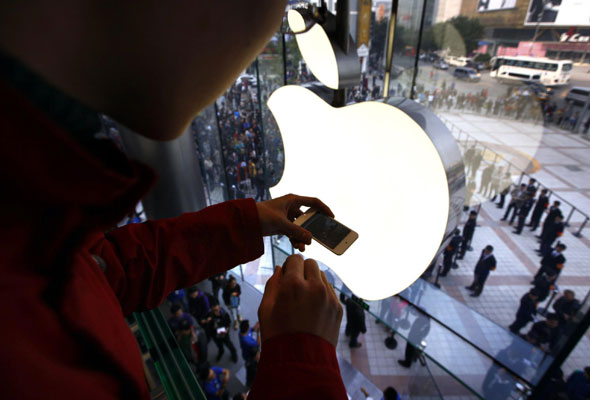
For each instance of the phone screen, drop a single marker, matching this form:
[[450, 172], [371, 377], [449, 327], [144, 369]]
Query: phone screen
[[325, 229]]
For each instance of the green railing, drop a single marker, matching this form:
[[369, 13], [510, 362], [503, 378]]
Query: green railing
[[174, 372]]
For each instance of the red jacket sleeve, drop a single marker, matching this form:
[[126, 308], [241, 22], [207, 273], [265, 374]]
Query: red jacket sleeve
[[146, 262], [298, 366]]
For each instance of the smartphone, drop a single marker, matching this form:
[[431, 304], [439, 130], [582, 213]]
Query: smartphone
[[327, 231]]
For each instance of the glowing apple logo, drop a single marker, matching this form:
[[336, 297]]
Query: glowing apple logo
[[381, 174]]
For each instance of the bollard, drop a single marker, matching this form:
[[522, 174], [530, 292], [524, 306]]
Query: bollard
[[579, 232]]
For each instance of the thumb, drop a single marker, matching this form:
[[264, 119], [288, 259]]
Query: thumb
[[271, 290], [295, 232]]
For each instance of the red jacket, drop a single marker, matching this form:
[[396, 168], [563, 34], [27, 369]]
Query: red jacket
[[63, 333]]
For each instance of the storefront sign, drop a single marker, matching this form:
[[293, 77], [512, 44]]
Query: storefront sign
[[574, 38]]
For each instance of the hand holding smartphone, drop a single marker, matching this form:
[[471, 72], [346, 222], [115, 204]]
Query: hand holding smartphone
[[327, 231]]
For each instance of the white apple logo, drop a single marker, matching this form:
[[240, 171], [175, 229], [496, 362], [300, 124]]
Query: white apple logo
[[381, 175]]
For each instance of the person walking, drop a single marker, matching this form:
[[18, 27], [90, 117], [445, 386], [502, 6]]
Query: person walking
[[218, 325], [485, 264], [540, 207], [231, 298], [468, 232], [526, 311]]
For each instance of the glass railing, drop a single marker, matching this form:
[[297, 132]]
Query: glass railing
[[460, 365], [173, 370]]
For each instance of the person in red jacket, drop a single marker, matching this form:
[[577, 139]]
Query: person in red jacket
[[66, 284]]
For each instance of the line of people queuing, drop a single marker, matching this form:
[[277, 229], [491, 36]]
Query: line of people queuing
[[197, 318]]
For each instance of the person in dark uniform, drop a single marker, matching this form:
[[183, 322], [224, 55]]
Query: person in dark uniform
[[486, 263], [553, 262], [554, 211], [516, 200], [468, 231], [450, 251], [566, 307], [544, 333], [526, 311], [417, 334], [552, 232], [523, 212], [355, 321], [531, 189], [540, 206], [544, 284]]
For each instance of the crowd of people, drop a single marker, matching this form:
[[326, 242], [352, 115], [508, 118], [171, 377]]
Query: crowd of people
[[197, 318]]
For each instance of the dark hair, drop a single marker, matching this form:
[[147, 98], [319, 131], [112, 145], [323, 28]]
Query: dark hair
[[244, 326], [184, 325], [204, 372], [472, 212], [390, 394], [544, 190], [557, 202], [533, 180], [552, 316], [457, 231], [534, 292], [175, 308], [490, 247], [193, 289], [563, 246], [523, 185], [587, 370]]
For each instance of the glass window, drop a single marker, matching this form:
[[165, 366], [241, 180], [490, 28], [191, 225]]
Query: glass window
[[567, 67]]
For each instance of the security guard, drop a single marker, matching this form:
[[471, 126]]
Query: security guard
[[468, 231], [540, 207], [553, 262], [486, 263], [450, 251]]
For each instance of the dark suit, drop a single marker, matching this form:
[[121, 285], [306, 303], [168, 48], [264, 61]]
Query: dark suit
[[551, 233], [523, 212], [553, 212], [481, 272], [468, 231], [551, 263], [525, 313], [449, 252], [355, 321], [540, 206]]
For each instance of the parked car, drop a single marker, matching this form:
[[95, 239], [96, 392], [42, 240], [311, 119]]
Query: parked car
[[440, 64], [466, 73], [578, 96], [478, 66]]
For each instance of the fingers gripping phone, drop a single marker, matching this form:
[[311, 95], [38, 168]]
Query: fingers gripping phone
[[327, 231]]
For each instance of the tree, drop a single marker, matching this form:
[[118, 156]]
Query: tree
[[470, 29]]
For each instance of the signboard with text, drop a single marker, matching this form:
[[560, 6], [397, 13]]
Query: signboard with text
[[558, 13]]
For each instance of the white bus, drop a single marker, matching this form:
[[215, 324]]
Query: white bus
[[531, 69]]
